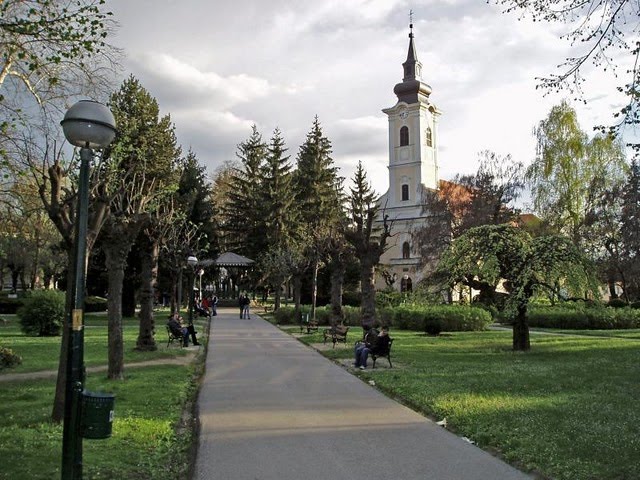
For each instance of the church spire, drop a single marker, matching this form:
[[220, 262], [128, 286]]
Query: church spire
[[412, 89], [412, 66]]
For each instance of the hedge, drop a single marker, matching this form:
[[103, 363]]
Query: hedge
[[437, 318], [586, 318]]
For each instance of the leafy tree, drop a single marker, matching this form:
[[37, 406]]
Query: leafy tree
[[144, 153], [486, 256], [367, 237], [599, 30], [50, 52], [629, 228], [570, 172], [484, 198]]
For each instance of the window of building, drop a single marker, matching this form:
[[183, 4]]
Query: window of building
[[429, 137], [404, 136], [406, 250], [405, 192]]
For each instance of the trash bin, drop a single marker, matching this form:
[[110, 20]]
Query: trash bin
[[97, 414]]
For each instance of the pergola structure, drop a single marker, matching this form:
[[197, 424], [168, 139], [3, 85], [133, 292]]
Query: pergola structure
[[232, 268]]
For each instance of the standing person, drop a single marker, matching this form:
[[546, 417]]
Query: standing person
[[214, 303], [241, 304], [245, 307]]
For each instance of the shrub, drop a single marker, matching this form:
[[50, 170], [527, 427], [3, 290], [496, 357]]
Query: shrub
[[285, 316], [617, 303], [586, 318], [436, 318], [8, 359], [42, 313]]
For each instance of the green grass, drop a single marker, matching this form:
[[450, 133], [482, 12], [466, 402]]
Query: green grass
[[42, 353], [567, 409], [631, 333], [147, 440], [144, 444]]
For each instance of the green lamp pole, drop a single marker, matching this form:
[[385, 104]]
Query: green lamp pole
[[192, 262], [88, 125]]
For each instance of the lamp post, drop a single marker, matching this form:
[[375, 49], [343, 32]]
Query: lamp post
[[88, 125], [192, 262]]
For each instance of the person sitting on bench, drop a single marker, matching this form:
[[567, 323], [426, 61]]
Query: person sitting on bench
[[176, 325], [374, 342]]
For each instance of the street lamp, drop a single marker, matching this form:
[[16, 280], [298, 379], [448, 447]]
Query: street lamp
[[88, 125], [192, 262]]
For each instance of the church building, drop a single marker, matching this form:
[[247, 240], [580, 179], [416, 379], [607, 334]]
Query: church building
[[413, 166]]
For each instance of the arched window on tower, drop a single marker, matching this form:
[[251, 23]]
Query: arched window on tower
[[429, 137], [404, 136], [406, 250], [405, 192]]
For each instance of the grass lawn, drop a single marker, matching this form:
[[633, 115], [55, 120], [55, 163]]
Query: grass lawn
[[150, 439], [43, 353], [566, 410]]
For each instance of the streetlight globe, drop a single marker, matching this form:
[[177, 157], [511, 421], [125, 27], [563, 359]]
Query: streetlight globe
[[192, 261], [89, 124]]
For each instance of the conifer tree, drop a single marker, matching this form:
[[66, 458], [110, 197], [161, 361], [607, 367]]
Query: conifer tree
[[318, 196], [277, 195], [367, 238], [243, 213]]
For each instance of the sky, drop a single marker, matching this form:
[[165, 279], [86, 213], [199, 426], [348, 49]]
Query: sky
[[218, 67]]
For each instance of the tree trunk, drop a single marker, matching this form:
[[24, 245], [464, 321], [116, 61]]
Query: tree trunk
[[297, 293], [116, 256], [57, 413], [129, 293], [278, 296], [367, 286], [149, 281], [314, 288], [521, 341], [337, 283]]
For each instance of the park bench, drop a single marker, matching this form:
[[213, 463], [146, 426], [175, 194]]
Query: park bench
[[386, 354], [308, 325], [337, 333], [268, 308], [173, 337]]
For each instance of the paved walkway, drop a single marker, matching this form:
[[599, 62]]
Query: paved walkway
[[271, 408]]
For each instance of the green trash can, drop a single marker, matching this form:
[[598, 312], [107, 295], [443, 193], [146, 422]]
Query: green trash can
[[97, 414]]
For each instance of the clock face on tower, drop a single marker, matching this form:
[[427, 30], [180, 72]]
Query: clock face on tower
[[404, 115]]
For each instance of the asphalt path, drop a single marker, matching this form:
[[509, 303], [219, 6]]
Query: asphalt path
[[273, 408]]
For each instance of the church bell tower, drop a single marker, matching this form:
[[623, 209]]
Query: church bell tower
[[413, 136]]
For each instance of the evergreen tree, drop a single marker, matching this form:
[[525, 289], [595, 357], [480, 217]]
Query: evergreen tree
[[367, 238], [277, 197], [317, 193], [243, 213]]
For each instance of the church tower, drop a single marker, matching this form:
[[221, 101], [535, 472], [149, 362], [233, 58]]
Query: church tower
[[413, 166], [413, 136]]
